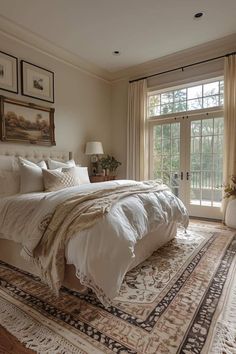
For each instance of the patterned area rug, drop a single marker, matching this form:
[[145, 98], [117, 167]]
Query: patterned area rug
[[171, 303]]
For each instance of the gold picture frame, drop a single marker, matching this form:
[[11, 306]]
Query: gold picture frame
[[23, 122]]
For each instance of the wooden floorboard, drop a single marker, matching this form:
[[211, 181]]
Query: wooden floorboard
[[10, 345]]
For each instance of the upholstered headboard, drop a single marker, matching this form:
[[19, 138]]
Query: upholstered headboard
[[35, 154]]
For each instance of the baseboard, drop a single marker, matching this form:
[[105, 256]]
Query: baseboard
[[205, 219]]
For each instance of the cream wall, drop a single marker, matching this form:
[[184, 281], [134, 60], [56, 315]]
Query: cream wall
[[82, 101], [89, 108], [199, 72]]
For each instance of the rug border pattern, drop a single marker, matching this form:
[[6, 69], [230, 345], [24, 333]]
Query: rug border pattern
[[109, 343], [195, 339]]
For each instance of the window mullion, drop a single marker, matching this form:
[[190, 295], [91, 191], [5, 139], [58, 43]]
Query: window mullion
[[174, 103]]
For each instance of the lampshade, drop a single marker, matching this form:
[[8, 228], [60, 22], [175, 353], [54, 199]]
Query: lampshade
[[94, 148]]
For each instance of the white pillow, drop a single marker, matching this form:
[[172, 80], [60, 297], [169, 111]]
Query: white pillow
[[31, 179], [8, 163], [9, 183], [31, 176], [41, 164], [53, 164], [82, 173]]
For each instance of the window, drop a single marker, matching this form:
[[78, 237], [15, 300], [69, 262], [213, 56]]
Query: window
[[194, 97], [186, 150]]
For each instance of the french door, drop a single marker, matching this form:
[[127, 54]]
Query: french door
[[187, 154]]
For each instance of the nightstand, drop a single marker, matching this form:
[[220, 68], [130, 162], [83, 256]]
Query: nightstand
[[95, 179]]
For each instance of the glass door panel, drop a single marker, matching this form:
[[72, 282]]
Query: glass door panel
[[206, 166], [187, 154], [166, 154]]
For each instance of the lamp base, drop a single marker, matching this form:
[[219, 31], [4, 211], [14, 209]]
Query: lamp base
[[94, 170], [94, 158], [94, 164]]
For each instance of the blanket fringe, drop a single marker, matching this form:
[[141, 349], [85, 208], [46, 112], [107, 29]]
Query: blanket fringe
[[34, 335], [27, 255], [88, 283]]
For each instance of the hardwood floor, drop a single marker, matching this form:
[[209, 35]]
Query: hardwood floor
[[10, 345]]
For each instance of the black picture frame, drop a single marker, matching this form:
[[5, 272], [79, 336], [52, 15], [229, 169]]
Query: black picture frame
[[13, 72], [37, 82]]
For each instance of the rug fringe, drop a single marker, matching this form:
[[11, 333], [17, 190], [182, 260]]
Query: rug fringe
[[34, 335], [225, 332], [225, 339]]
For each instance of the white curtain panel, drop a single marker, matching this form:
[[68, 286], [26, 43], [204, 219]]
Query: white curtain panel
[[229, 120], [136, 131]]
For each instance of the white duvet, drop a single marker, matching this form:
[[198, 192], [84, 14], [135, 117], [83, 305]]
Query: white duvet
[[103, 253]]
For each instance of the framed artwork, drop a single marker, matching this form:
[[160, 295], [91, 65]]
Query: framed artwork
[[8, 72], [26, 122], [37, 82]]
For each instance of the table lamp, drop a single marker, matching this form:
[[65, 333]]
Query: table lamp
[[94, 148]]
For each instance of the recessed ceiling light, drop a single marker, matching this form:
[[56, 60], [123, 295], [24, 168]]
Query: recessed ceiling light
[[116, 52], [198, 15]]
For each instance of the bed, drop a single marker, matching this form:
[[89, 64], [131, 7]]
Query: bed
[[100, 255]]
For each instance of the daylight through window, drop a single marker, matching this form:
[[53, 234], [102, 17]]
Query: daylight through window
[[186, 150], [190, 98]]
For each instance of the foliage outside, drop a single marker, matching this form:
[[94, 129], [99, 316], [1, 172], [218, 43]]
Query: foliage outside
[[186, 99], [206, 157]]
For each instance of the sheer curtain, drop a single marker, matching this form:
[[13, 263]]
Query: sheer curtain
[[136, 131], [229, 120]]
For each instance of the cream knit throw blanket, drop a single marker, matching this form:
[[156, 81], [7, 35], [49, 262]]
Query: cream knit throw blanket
[[76, 214]]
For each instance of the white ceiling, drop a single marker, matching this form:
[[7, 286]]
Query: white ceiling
[[141, 29]]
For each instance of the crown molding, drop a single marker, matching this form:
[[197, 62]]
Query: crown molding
[[197, 53], [200, 52], [20, 34]]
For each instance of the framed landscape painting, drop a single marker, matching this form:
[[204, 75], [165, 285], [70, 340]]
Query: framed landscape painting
[[37, 82], [26, 122], [8, 72]]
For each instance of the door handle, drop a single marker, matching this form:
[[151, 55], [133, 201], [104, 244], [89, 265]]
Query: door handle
[[187, 176], [181, 176]]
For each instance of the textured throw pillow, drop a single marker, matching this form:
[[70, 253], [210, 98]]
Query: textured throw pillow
[[53, 164], [9, 183], [55, 180]]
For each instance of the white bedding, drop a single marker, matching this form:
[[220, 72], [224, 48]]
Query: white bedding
[[102, 254]]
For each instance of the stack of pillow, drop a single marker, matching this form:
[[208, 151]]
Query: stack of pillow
[[18, 175]]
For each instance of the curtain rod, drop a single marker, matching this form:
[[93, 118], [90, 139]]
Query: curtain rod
[[182, 67]]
